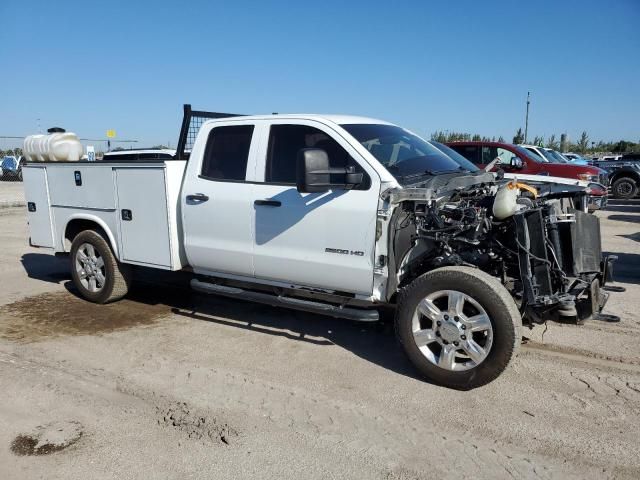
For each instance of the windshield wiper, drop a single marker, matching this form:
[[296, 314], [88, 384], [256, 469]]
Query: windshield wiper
[[420, 174]]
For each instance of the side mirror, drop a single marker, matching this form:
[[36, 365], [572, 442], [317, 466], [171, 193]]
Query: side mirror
[[312, 170], [516, 162], [313, 173]]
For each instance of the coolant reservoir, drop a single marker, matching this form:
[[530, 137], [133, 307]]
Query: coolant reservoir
[[55, 147], [505, 203]]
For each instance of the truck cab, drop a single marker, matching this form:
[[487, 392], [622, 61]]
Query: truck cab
[[242, 174]]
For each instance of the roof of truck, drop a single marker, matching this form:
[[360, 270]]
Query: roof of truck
[[334, 118]]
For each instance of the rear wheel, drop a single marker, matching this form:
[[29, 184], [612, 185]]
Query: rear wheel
[[96, 272], [624, 188], [459, 326]]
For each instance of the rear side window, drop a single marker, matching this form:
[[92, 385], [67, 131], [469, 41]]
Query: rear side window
[[227, 153], [470, 152], [285, 141]]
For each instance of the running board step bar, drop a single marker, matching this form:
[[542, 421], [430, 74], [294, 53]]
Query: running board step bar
[[357, 314]]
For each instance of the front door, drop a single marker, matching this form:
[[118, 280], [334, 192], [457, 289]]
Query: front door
[[323, 240], [217, 201], [491, 152]]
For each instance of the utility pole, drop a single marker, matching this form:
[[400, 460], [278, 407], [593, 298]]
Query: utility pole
[[526, 121]]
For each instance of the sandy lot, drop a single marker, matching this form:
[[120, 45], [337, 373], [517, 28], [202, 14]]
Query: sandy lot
[[170, 384], [11, 193]]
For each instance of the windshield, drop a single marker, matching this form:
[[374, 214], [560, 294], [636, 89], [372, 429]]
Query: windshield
[[405, 155], [531, 154], [547, 156], [556, 156], [464, 163]]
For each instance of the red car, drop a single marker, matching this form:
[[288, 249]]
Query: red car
[[516, 159]]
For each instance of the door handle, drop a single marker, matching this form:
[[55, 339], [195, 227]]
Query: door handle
[[268, 203], [197, 197]]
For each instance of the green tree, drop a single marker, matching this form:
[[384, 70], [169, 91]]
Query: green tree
[[439, 136], [553, 142], [518, 137], [539, 141], [583, 143]]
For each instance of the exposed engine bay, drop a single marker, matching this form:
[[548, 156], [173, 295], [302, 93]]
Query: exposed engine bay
[[537, 239]]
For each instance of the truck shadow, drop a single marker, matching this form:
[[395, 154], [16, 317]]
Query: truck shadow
[[628, 206], [625, 218], [47, 268], [373, 342], [159, 293]]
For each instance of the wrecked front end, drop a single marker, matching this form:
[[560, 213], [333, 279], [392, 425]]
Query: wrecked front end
[[538, 241]]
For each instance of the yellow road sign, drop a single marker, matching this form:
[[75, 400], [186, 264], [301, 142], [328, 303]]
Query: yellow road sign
[[111, 133]]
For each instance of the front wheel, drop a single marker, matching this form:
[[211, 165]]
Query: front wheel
[[459, 326], [96, 272], [624, 188]]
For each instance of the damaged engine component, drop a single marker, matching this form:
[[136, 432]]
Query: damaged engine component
[[544, 249]]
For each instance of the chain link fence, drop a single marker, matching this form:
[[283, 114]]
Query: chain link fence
[[11, 187]]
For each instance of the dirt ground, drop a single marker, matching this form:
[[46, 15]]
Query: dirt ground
[[170, 384]]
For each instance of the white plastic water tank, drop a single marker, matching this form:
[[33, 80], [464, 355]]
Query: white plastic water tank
[[55, 147]]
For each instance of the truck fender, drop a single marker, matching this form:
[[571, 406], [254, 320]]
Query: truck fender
[[99, 222]]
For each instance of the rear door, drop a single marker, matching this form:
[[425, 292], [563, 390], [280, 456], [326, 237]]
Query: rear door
[[323, 240], [36, 192], [143, 215], [217, 200]]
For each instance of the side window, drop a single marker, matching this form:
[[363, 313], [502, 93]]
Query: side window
[[505, 156], [470, 152], [285, 141], [227, 153], [489, 154]]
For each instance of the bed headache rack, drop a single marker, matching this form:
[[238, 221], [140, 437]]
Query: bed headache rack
[[191, 123]]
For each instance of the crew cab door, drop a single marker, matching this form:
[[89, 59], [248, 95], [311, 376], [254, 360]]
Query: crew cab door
[[323, 240], [216, 200]]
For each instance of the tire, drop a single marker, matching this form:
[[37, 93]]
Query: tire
[[496, 328], [624, 188], [111, 279]]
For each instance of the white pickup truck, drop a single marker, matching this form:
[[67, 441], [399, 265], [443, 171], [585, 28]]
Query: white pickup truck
[[338, 215]]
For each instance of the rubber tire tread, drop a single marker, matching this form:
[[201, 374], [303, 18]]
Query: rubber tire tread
[[118, 275], [624, 197], [494, 298]]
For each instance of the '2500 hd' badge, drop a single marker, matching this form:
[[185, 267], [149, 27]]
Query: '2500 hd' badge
[[358, 253]]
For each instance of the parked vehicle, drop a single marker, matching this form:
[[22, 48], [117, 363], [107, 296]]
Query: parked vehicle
[[624, 175], [540, 182], [337, 215], [518, 159], [11, 168], [559, 158], [576, 159], [551, 155]]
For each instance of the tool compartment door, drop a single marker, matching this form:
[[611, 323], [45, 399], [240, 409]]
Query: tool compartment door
[[36, 192], [143, 216]]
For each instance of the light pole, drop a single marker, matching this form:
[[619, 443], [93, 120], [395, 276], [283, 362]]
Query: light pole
[[526, 120]]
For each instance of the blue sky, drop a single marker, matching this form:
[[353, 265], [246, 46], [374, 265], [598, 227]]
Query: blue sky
[[457, 65]]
